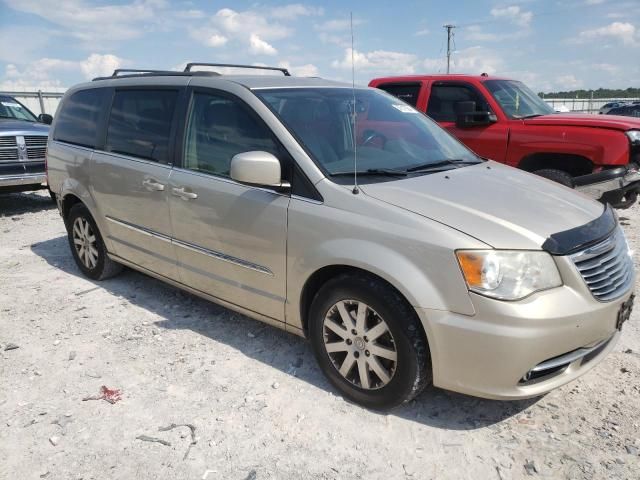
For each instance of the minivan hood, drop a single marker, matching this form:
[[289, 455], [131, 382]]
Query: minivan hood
[[499, 205], [10, 125], [615, 122]]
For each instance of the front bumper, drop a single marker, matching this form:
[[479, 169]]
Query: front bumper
[[494, 353], [619, 186], [22, 180]]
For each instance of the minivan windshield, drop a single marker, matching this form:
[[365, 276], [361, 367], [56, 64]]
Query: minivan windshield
[[392, 139], [11, 108], [517, 100]]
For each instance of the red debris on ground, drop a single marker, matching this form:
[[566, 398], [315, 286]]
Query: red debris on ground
[[106, 394]]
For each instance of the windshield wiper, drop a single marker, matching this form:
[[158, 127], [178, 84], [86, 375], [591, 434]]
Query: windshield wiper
[[426, 167], [374, 171]]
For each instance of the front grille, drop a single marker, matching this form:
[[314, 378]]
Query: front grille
[[607, 267], [8, 149], [36, 146]]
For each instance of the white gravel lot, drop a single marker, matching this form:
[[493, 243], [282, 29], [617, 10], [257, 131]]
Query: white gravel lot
[[259, 404]]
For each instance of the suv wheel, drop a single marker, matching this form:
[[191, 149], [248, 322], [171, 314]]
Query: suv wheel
[[87, 246], [369, 342], [558, 176]]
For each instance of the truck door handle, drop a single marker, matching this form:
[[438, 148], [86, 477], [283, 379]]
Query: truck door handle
[[183, 194], [152, 184]]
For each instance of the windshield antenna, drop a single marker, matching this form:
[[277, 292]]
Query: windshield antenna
[[355, 132]]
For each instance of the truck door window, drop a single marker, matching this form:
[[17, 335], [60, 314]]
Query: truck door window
[[407, 92], [443, 99]]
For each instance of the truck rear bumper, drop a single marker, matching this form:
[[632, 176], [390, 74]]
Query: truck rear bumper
[[617, 186]]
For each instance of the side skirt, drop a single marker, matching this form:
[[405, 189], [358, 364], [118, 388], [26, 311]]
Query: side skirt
[[231, 306]]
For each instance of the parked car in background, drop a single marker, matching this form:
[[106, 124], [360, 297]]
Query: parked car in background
[[436, 266], [505, 121], [608, 106], [23, 142], [630, 110]]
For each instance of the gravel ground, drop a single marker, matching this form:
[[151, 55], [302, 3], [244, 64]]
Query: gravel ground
[[259, 404]]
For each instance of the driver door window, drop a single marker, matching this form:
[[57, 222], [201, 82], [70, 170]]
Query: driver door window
[[443, 100], [218, 128]]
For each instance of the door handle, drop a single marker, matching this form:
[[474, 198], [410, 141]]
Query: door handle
[[152, 184], [183, 194]]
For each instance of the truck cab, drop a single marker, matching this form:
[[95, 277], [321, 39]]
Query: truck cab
[[504, 120]]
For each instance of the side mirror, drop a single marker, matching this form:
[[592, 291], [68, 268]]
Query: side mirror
[[257, 168], [45, 118], [475, 119]]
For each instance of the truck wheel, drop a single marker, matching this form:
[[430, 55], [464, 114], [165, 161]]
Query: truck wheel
[[369, 342], [87, 246], [558, 176]]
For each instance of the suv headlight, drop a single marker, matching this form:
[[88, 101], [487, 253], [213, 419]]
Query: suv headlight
[[508, 275], [634, 136]]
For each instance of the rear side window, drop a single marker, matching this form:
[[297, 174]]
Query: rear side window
[[443, 100], [140, 123], [77, 121], [407, 92]]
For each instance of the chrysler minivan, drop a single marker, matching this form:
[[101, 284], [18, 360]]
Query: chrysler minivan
[[346, 216]]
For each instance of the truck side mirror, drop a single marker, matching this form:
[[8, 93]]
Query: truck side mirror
[[45, 118], [466, 115]]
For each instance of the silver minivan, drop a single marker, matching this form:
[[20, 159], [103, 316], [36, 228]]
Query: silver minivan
[[345, 216]]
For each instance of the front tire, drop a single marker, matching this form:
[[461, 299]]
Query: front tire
[[87, 246], [369, 342]]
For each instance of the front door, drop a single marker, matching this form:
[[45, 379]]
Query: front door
[[230, 239], [488, 141], [130, 179]]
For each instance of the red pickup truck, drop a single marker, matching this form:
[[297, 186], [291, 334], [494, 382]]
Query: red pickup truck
[[505, 121]]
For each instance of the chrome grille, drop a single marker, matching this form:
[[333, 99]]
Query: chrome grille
[[36, 146], [8, 149], [607, 267]]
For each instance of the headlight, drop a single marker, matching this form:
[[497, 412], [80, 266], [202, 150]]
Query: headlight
[[508, 275], [634, 136]]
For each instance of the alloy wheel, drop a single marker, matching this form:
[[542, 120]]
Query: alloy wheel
[[359, 344], [84, 241]]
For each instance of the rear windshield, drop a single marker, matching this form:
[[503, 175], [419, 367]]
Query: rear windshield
[[389, 134]]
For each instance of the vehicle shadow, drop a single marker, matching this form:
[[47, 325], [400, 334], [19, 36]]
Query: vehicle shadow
[[12, 204], [280, 350]]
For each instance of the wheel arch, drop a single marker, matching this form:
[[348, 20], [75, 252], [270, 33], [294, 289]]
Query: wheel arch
[[575, 165]]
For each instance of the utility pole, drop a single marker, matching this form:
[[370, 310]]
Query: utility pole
[[449, 28]]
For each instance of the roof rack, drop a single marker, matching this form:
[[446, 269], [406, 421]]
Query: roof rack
[[255, 67]]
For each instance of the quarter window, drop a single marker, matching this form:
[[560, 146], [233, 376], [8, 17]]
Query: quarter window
[[443, 100], [77, 122], [219, 128], [407, 92], [140, 123]]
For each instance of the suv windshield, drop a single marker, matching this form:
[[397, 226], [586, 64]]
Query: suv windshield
[[517, 100], [11, 108], [391, 137]]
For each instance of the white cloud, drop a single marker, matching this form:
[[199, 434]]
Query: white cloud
[[513, 13], [422, 33], [569, 82], [379, 61], [46, 72], [622, 31], [257, 46], [295, 10], [249, 23], [95, 24], [606, 67], [308, 70], [100, 65]]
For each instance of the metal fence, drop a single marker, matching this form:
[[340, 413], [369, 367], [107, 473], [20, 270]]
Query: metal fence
[[584, 105], [38, 101]]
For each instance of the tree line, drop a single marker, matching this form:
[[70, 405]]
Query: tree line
[[599, 93]]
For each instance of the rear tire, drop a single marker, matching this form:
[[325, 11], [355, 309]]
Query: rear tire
[[369, 342], [87, 246], [558, 176]]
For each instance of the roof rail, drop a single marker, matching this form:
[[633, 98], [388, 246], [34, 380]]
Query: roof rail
[[133, 73], [258, 67], [137, 70]]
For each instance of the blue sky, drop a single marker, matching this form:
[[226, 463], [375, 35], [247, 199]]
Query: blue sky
[[549, 44]]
